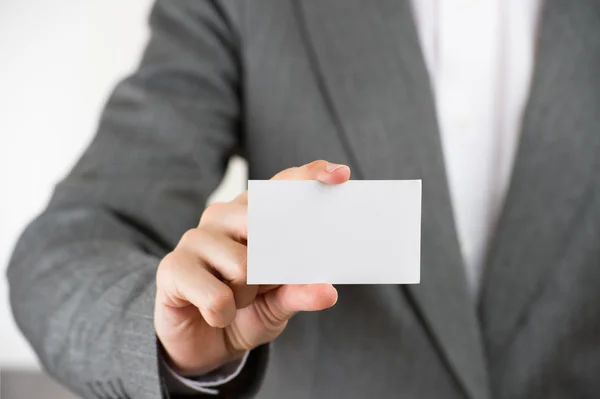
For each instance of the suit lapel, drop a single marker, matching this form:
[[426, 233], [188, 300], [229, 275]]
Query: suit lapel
[[372, 73], [552, 170]]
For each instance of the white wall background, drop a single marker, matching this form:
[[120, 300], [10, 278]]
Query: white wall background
[[58, 62]]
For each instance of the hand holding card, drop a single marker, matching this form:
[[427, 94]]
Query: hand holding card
[[206, 314]]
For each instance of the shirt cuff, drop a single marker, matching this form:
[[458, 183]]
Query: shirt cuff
[[207, 383]]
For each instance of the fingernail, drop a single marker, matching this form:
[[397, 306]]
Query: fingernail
[[332, 166]]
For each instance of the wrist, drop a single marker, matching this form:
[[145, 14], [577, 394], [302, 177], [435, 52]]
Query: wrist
[[205, 362]]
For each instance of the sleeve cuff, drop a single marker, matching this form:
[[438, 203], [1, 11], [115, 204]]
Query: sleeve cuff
[[206, 383]]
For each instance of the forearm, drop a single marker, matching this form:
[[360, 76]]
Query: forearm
[[82, 291], [82, 277]]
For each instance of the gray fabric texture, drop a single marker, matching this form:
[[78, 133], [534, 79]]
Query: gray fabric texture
[[285, 82]]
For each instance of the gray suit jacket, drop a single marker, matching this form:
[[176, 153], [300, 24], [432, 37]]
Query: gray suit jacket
[[286, 82]]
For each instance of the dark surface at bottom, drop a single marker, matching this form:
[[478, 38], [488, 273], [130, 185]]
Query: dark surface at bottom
[[27, 384]]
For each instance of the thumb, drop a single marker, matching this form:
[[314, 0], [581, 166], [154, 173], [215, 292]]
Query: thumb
[[323, 171], [268, 315], [284, 302]]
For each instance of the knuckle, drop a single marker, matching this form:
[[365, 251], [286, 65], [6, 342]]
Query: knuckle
[[169, 261], [314, 166], [212, 212], [167, 268], [191, 236], [219, 300], [194, 238], [242, 265], [317, 164], [238, 274], [237, 268]]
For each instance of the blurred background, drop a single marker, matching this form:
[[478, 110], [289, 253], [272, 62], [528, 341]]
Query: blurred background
[[59, 61]]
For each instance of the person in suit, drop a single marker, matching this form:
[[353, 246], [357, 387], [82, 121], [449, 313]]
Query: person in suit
[[127, 287]]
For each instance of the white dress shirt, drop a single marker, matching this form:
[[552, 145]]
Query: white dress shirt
[[479, 55]]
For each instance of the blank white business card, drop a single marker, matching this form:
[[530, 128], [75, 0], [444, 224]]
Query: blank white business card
[[358, 232]]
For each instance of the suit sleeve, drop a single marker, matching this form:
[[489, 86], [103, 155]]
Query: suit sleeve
[[82, 276]]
